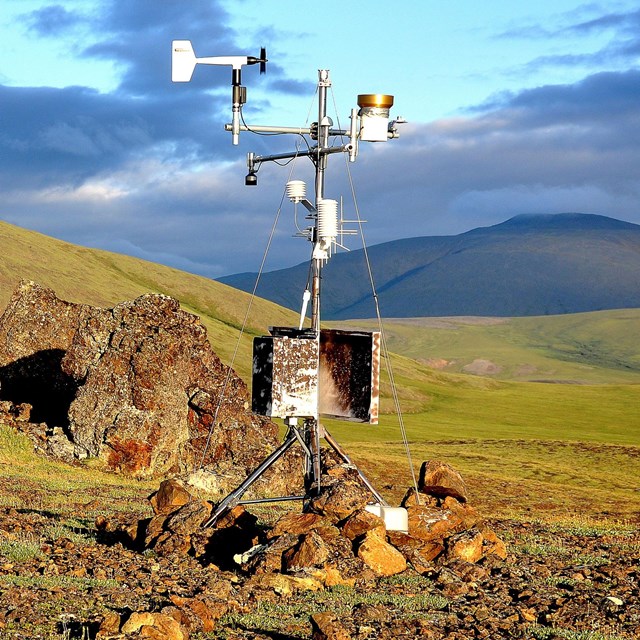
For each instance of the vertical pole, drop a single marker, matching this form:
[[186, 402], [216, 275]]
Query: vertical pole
[[312, 431]]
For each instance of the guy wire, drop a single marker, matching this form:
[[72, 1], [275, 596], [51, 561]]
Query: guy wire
[[383, 339], [223, 393]]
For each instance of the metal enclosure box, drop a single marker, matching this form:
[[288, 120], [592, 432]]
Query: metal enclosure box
[[285, 375], [295, 375]]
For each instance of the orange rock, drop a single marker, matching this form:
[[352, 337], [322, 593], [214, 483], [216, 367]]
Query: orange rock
[[362, 521], [325, 626], [440, 479], [429, 523], [170, 496], [154, 530], [492, 545], [380, 556], [465, 546], [207, 610], [412, 498], [311, 551], [189, 517], [296, 523]]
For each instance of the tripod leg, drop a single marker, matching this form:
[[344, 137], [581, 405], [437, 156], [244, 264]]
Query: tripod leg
[[234, 497], [312, 451], [340, 451]]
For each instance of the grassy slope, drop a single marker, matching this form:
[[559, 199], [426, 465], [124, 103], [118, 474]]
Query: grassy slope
[[104, 279], [518, 444], [597, 347]]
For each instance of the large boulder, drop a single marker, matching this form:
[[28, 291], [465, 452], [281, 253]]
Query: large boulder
[[138, 386], [150, 390]]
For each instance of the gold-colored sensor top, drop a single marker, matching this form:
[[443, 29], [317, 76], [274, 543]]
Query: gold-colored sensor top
[[379, 100]]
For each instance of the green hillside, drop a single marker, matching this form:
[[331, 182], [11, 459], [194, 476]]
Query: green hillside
[[519, 445], [104, 279], [596, 347]]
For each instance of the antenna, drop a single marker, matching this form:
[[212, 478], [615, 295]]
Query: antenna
[[184, 61]]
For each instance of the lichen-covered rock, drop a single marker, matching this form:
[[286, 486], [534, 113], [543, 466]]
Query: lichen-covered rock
[[383, 558], [138, 386], [171, 495]]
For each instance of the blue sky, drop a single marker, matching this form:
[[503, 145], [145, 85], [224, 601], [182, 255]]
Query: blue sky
[[512, 108]]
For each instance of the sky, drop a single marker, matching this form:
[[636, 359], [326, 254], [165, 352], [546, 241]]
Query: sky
[[511, 108]]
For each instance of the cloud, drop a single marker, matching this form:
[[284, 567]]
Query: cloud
[[51, 20], [144, 168], [623, 46], [556, 148]]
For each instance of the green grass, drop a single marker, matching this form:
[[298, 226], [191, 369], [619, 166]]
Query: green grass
[[544, 633], [523, 447], [292, 615], [30, 481], [597, 347]]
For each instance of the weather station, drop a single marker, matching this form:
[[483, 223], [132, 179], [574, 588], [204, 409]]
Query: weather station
[[303, 373]]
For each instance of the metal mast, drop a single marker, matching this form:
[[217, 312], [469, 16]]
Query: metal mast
[[370, 123]]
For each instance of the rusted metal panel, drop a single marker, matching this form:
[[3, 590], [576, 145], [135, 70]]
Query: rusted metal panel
[[285, 377], [349, 375], [294, 376]]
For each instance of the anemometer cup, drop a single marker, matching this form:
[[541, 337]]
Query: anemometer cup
[[374, 116]]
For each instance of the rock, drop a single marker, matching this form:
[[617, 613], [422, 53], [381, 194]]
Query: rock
[[153, 530], [285, 585], [330, 576], [138, 386], [325, 626], [296, 523], [36, 330], [437, 478], [465, 546], [360, 522], [311, 551], [492, 545], [137, 620], [380, 556], [150, 390], [188, 518], [172, 544], [412, 499], [205, 610], [109, 625], [156, 626], [339, 500], [171, 495], [418, 553], [433, 524]]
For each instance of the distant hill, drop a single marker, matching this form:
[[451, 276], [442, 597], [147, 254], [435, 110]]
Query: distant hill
[[103, 279], [529, 265]]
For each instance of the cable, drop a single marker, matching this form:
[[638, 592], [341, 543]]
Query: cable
[[383, 339]]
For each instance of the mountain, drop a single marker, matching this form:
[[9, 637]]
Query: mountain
[[529, 265]]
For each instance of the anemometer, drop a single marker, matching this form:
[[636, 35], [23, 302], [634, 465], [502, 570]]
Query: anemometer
[[302, 373]]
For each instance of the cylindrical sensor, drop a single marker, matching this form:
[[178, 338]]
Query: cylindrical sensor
[[374, 116]]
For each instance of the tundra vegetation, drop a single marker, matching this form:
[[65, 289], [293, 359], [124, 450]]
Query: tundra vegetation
[[549, 447]]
